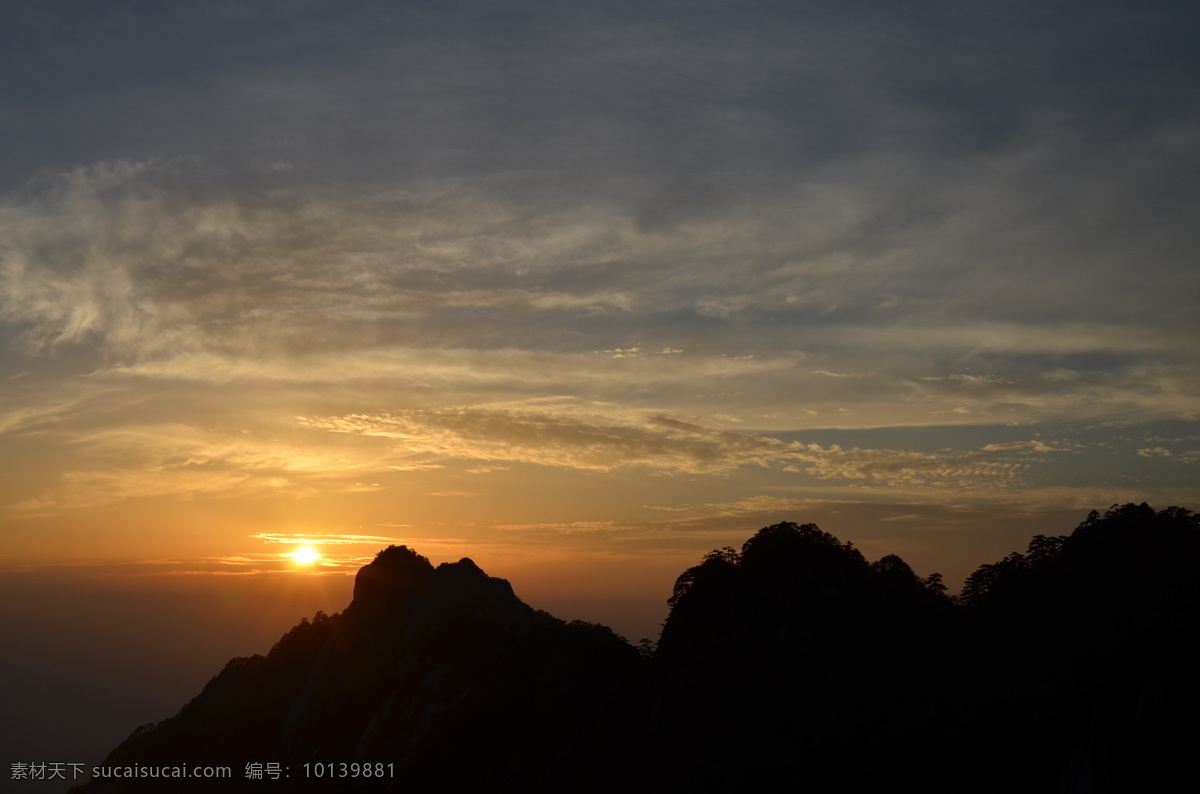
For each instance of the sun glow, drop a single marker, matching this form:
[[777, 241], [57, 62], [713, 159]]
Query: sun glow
[[304, 555]]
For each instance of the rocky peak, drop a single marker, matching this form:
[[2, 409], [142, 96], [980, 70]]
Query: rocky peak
[[396, 573]]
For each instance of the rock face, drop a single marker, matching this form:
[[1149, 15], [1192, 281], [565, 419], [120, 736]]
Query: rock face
[[441, 673]]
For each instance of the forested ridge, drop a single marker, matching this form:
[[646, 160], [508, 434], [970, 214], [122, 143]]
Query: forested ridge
[[793, 660]]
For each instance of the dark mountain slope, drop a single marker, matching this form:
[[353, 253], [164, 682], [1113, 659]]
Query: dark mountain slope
[[797, 657], [443, 674], [1083, 654]]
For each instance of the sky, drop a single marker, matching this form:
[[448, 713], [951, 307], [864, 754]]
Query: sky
[[580, 290]]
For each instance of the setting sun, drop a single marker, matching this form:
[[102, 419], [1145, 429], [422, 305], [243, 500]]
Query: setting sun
[[304, 555]]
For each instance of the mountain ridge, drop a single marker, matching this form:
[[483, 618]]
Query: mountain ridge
[[793, 656]]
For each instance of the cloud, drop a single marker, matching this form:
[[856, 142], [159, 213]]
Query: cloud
[[183, 462], [590, 241], [309, 456], [565, 433], [487, 469], [324, 539], [89, 489], [828, 374], [573, 434], [167, 269], [1014, 446], [909, 468]]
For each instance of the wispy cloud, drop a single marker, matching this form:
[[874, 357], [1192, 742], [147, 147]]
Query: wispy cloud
[[1012, 446], [572, 434], [735, 254], [324, 538]]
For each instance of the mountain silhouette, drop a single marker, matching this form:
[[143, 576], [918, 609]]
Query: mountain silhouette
[[1082, 655], [443, 673], [793, 661]]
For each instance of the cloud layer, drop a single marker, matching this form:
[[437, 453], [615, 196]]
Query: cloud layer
[[338, 251]]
